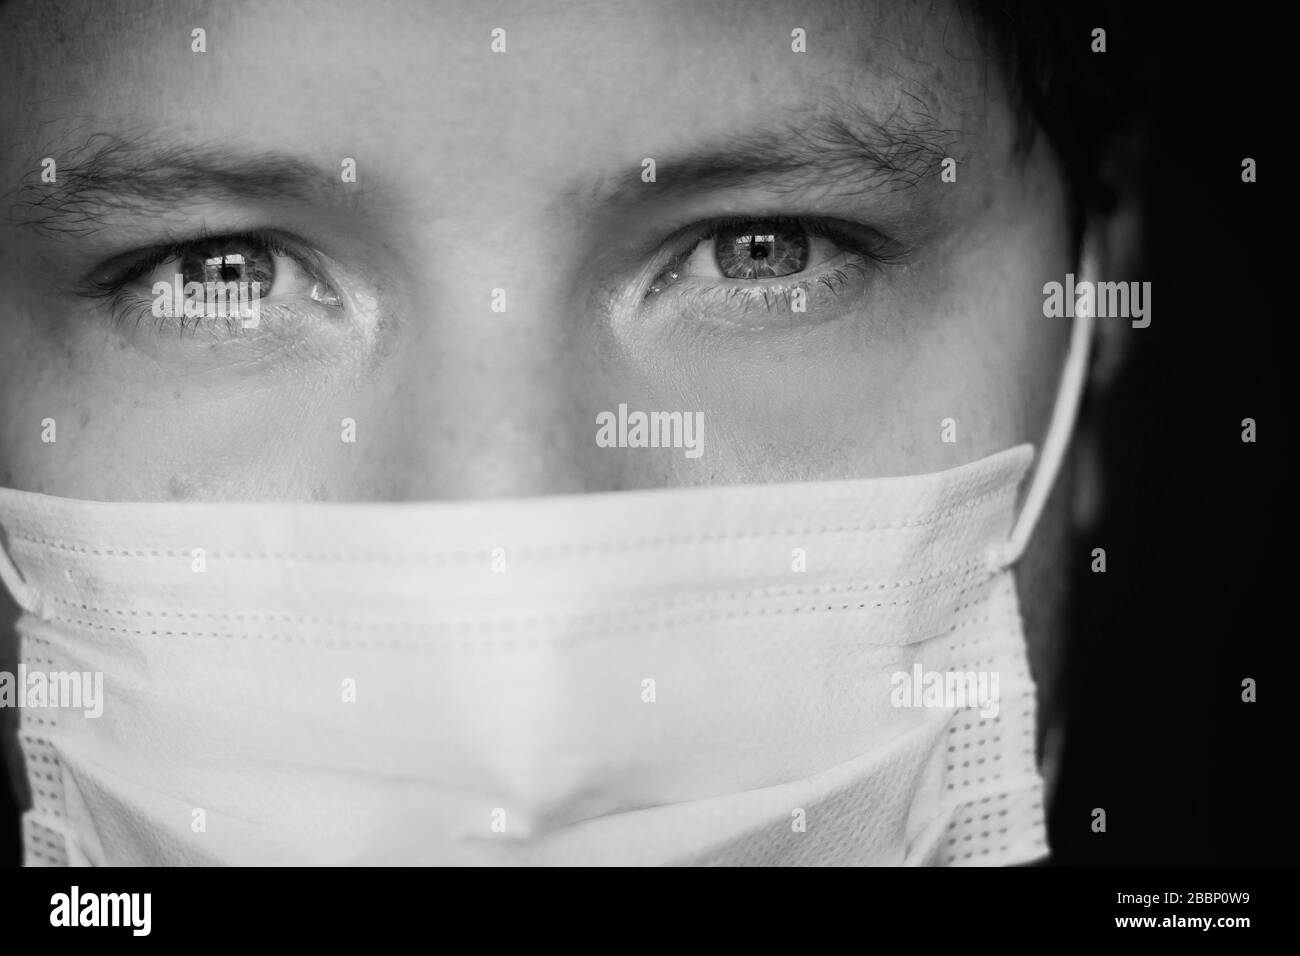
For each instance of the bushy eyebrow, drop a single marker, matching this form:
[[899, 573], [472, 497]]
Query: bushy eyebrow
[[817, 156], [114, 173], [841, 147]]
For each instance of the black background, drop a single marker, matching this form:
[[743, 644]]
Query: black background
[[1195, 597]]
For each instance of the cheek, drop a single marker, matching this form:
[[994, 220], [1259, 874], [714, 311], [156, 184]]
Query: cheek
[[84, 415], [987, 360], [996, 365], [952, 363], [43, 399]]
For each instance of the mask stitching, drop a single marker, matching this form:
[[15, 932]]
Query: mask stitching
[[580, 619], [965, 567], [485, 641]]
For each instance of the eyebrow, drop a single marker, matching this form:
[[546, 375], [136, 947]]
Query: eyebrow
[[113, 173], [844, 148], [132, 174]]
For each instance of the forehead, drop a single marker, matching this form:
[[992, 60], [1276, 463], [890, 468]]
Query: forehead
[[415, 89]]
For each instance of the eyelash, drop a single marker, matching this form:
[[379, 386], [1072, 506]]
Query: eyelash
[[873, 248], [752, 293], [109, 284]]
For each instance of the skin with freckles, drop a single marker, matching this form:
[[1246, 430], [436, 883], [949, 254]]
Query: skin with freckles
[[520, 171]]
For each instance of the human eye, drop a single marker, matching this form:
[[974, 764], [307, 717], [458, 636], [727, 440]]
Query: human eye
[[213, 284], [762, 272]]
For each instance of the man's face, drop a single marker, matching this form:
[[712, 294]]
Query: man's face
[[504, 267]]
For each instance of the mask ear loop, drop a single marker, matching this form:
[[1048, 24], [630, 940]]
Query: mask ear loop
[[1059, 432]]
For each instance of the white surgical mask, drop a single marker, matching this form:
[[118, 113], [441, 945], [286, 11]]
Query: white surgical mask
[[708, 675]]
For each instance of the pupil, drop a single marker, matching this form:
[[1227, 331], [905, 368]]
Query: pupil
[[222, 268], [764, 250]]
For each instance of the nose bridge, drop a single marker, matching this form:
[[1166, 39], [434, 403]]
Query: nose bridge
[[499, 372]]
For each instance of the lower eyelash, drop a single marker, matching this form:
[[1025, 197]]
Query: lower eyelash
[[127, 309], [745, 297]]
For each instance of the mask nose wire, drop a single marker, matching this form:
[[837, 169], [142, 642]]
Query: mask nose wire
[[1059, 432]]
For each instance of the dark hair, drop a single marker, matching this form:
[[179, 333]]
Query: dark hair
[[1089, 105]]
